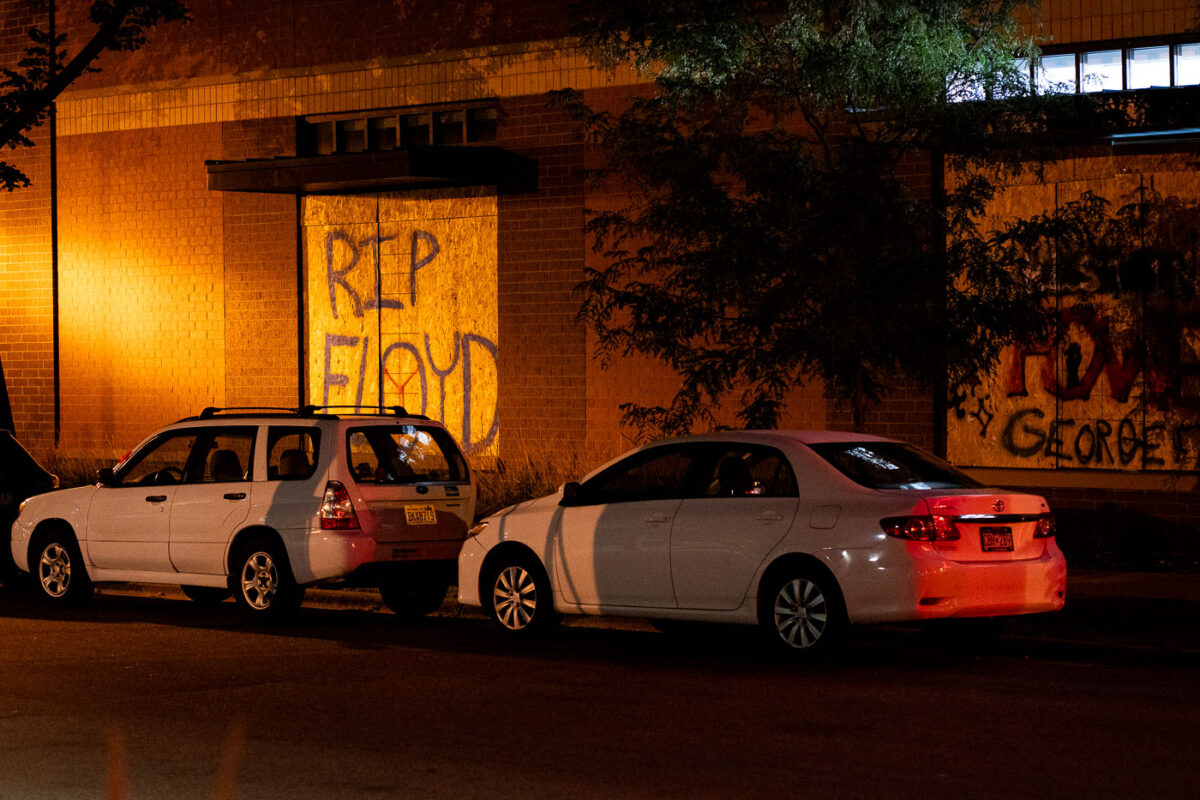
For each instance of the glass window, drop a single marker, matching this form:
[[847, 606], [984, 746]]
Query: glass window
[[321, 137], [481, 125], [1148, 67], [448, 127], [1100, 71], [224, 456], [292, 453], [1056, 74], [351, 135], [405, 454], [1187, 64], [382, 133], [660, 473], [892, 465], [746, 471], [415, 130], [161, 462]]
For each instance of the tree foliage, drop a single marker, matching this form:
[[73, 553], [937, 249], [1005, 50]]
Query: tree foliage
[[46, 69], [778, 229]]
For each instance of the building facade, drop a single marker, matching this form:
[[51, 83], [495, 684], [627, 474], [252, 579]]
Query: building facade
[[373, 202]]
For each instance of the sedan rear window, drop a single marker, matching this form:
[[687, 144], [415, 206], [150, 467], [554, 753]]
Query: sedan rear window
[[893, 465]]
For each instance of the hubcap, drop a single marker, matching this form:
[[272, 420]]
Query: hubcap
[[515, 598], [801, 613], [54, 570], [260, 580]]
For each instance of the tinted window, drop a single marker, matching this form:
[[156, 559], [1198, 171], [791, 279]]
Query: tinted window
[[404, 454], [223, 456], [892, 465], [749, 471], [292, 453], [657, 474], [162, 461]]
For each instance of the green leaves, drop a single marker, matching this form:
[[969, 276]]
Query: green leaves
[[781, 227], [45, 71]]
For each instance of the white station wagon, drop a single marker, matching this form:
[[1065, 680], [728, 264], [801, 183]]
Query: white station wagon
[[803, 533], [262, 505]]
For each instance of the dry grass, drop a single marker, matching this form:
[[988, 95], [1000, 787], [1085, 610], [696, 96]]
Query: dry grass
[[525, 475]]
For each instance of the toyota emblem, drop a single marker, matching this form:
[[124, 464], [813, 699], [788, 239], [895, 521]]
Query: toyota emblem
[[998, 506]]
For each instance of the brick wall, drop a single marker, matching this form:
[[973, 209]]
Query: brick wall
[[142, 293], [262, 303], [26, 299], [542, 357], [1067, 21]]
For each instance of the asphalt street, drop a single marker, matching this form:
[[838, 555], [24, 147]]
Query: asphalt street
[[153, 697]]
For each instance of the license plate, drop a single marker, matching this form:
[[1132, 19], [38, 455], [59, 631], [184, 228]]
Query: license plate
[[996, 539], [421, 515]]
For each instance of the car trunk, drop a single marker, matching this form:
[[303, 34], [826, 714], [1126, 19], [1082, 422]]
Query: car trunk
[[991, 526]]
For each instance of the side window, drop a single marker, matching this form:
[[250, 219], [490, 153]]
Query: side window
[[292, 453], [161, 462], [658, 474], [750, 471], [404, 454], [225, 456]]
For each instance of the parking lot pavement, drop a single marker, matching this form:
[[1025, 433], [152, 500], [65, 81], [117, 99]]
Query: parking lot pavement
[[1157, 611], [1153, 610]]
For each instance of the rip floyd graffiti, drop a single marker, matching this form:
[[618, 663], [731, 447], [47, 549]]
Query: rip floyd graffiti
[[1116, 383], [401, 303]]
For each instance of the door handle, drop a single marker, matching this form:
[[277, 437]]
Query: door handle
[[657, 519], [770, 516], [236, 496], [156, 498]]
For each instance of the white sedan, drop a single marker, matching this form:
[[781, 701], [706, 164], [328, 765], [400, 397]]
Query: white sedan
[[803, 533]]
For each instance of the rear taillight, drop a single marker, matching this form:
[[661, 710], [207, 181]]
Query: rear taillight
[[1046, 527], [337, 512], [937, 528]]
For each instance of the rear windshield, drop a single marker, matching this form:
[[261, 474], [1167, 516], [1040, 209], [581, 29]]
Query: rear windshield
[[892, 465], [404, 454]]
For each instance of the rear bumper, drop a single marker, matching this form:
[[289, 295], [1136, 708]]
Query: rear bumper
[[319, 555], [916, 583]]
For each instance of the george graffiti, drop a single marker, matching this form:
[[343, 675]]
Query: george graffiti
[[1127, 443], [402, 306]]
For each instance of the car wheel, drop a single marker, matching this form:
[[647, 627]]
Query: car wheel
[[263, 582], [59, 571], [518, 597], [413, 597], [205, 595], [802, 611]]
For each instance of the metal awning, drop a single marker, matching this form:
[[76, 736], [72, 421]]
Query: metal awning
[[394, 170]]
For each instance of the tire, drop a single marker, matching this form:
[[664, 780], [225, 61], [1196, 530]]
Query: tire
[[205, 595], [262, 582], [58, 570], [409, 596], [802, 611], [518, 598]]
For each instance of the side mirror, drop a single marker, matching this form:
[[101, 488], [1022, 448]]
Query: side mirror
[[106, 477], [570, 494]]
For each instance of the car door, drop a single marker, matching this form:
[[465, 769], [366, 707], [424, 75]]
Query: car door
[[214, 500], [613, 540], [414, 486], [749, 500], [129, 521]]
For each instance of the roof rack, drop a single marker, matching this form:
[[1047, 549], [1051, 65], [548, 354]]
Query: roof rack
[[211, 412], [397, 411], [240, 411]]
